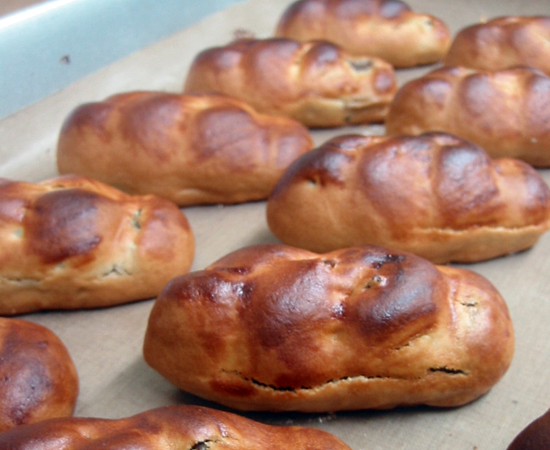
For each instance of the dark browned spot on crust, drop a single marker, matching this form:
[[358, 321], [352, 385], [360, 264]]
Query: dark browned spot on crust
[[537, 106], [290, 302], [266, 62], [63, 224], [91, 117], [232, 135], [476, 93], [465, 187], [321, 166], [150, 121], [322, 54], [291, 143], [406, 300], [24, 382], [537, 204]]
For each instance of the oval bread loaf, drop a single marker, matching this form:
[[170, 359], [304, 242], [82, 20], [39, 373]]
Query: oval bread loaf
[[387, 29], [38, 380], [434, 195], [316, 83], [536, 436], [506, 112], [503, 43], [171, 427], [71, 242], [191, 149], [278, 328]]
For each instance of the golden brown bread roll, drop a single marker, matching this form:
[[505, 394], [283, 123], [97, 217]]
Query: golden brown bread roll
[[71, 242], [387, 29], [434, 195], [278, 328], [316, 83], [38, 380], [503, 43], [190, 149], [535, 437], [506, 112], [170, 427]]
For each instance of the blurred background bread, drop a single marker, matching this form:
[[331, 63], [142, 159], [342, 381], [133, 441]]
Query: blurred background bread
[[435, 195], [316, 83], [387, 29], [506, 112], [503, 43], [191, 149]]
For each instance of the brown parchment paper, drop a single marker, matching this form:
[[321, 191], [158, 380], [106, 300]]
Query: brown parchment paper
[[106, 344]]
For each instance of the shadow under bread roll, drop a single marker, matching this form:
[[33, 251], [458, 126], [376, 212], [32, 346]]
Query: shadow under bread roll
[[72, 242], [170, 427], [38, 380], [387, 29], [191, 149], [316, 83], [276, 328], [503, 43], [434, 195], [506, 112]]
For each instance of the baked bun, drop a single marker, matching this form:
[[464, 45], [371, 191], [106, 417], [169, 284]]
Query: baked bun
[[170, 427], [502, 43], [387, 29], [278, 328], [71, 242], [38, 380], [434, 195], [190, 149], [506, 112], [316, 83], [535, 437]]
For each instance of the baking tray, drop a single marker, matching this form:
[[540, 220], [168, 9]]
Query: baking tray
[[106, 343]]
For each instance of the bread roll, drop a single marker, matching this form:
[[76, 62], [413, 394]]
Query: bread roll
[[434, 195], [506, 112], [190, 149], [316, 83], [503, 43], [278, 328], [170, 427], [387, 29], [38, 380], [535, 437], [71, 242]]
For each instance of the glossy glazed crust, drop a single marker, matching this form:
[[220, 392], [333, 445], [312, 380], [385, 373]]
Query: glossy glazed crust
[[387, 29], [535, 437], [503, 43], [38, 380], [506, 112], [172, 427], [434, 195], [278, 328], [190, 149], [71, 242], [316, 83]]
